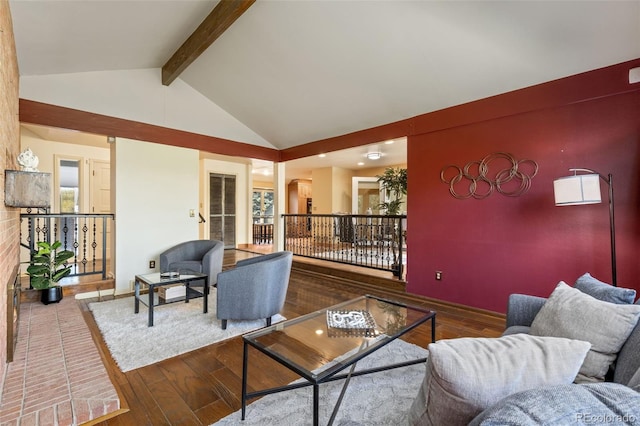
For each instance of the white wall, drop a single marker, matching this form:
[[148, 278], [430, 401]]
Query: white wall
[[155, 187], [140, 96]]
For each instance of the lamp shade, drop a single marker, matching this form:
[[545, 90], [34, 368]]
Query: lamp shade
[[576, 190]]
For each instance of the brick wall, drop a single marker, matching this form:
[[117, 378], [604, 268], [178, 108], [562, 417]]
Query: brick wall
[[10, 143]]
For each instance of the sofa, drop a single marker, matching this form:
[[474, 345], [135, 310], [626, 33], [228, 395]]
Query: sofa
[[571, 358]]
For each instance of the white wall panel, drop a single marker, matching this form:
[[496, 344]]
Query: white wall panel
[[156, 186]]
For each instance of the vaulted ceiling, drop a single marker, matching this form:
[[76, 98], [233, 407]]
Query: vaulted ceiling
[[300, 71]]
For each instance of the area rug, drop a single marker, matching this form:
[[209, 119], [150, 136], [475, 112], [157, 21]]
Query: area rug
[[178, 328], [382, 398]]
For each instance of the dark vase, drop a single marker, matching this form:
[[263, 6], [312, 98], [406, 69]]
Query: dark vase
[[397, 269], [51, 295]]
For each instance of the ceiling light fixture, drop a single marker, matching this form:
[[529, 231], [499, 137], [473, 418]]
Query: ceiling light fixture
[[389, 142], [374, 155]]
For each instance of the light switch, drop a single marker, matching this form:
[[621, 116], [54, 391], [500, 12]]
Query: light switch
[[192, 213]]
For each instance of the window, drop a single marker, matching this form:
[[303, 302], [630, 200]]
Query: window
[[69, 185], [262, 206]]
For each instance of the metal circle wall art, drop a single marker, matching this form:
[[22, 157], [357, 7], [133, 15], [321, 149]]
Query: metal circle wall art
[[499, 172]]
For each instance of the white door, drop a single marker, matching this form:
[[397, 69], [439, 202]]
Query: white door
[[100, 200]]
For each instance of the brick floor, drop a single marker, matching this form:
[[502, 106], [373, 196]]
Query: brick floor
[[57, 377]]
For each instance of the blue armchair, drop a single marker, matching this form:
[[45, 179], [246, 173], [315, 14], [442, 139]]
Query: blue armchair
[[256, 288]]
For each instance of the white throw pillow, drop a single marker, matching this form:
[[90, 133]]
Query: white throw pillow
[[467, 375], [573, 314]]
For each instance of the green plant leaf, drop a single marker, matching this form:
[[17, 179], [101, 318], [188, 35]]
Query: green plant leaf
[[61, 274], [40, 283], [47, 265]]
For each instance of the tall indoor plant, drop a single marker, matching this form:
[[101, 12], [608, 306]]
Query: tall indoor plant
[[46, 268], [394, 184]]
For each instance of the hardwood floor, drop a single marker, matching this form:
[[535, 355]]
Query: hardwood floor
[[203, 386]]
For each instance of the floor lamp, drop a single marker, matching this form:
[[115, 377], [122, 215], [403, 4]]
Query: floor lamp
[[585, 189]]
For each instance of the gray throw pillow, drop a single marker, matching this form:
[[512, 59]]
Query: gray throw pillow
[[594, 403], [603, 291], [467, 375], [575, 315]]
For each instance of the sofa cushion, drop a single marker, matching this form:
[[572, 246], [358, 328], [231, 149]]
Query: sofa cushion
[[595, 403], [572, 314], [628, 362], [467, 375], [634, 382], [515, 329], [603, 291]]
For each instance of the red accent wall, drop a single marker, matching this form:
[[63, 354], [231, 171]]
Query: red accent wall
[[490, 248]]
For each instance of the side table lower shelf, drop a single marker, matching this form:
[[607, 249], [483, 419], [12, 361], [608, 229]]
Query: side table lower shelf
[[154, 280]]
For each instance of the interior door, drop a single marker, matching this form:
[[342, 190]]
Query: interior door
[[222, 209], [366, 194], [68, 190], [100, 201]]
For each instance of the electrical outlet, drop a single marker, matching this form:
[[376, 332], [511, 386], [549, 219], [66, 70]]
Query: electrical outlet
[[438, 275], [152, 264]]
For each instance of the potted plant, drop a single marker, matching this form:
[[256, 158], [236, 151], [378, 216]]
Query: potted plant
[[46, 268], [394, 184]]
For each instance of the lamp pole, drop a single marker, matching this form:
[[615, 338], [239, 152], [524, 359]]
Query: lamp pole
[[612, 226]]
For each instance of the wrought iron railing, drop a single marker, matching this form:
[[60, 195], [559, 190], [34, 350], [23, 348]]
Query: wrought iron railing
[[372, 241], [263, 233], [265, 218], [86, 235], [263, 229]]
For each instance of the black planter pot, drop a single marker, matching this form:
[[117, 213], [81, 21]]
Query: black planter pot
[[51, 295], [397, 269]]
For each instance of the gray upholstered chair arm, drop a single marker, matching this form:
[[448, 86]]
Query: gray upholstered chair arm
[[212, 262], [523, 308], [168, 257], [256, 259]]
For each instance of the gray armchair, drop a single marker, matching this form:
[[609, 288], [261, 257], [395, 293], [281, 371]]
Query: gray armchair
[[204, 256], [256, 288]]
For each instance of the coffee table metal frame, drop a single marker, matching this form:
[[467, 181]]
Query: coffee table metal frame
[[154, 280], [330, 374]]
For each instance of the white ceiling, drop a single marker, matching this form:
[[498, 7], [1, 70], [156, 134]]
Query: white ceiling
[[300, 71]]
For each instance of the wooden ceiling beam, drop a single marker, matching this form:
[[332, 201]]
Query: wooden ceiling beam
[[219, 20], [67, 118]]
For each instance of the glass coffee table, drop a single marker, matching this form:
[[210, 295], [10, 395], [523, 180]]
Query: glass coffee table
[[320, 345], [153, 280]]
